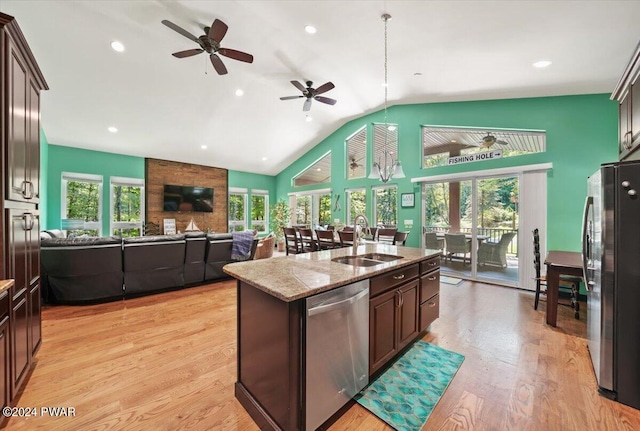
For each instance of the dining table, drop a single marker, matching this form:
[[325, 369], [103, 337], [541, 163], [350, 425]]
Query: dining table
[[559, 262]]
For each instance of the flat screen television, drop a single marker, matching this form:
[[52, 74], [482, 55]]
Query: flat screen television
[[188, 198]]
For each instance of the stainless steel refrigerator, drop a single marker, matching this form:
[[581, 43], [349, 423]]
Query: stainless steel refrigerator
[[611, 259]]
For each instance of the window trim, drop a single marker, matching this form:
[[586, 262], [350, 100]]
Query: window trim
[[87, 178], [374, 200], [126, 182], [245, 194], [264, 222]]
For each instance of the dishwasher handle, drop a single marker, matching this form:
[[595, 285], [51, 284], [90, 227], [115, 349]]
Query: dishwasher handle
[[333, 305]]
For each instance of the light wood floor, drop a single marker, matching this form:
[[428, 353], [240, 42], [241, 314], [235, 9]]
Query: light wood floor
[[168, 362]]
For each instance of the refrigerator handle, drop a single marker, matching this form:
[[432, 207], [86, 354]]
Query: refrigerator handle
[[585, 244]]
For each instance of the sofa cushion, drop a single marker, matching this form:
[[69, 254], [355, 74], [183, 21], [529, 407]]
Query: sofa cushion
[[80, 241], [153, 238]]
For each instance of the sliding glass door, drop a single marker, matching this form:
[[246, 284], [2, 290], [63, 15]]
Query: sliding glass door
[[475, 224]]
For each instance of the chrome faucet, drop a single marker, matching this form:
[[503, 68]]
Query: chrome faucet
[[355, 230]]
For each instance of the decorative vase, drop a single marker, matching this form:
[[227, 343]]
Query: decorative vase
[[281, 246]]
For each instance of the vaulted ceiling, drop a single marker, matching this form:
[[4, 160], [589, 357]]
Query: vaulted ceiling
[[165, 107]]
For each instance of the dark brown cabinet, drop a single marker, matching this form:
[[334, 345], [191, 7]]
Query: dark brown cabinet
[[393, 314], [627, 93], [429, 292], [20, 88], [5, 357]]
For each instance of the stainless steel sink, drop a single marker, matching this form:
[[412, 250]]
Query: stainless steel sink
[[369, 259]]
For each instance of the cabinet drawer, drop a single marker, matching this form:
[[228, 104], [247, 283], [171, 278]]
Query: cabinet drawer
[[391, 279], [429, 311], [429, 285], [4, 304], [429, 265]]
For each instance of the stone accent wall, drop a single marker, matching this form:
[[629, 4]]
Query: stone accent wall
[[161, 172]]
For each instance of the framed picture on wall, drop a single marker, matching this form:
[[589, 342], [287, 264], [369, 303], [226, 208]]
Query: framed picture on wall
[[407, 200]]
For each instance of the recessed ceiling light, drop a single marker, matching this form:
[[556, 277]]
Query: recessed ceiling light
[[239, 92], [542, 63], [112, 129], [204, 147], [310, 29], [318, 169], [264, 159], [307, 119], [117, 46]]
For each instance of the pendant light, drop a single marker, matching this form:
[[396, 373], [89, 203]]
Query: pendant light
[[386, 168]]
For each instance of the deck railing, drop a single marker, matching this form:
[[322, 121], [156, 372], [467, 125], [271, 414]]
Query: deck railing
[[493, 234]]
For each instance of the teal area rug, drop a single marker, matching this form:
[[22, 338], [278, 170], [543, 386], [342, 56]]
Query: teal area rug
[[406, 393]]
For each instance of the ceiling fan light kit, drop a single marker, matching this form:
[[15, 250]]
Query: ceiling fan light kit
[[210, 43], [386, 167]]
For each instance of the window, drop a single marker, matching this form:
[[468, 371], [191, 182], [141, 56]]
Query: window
[[385, 201], [356, 203], [357, 154], [311, 209], [259, 210], [440, 143], [127, 206], [237, 210], [318, 173], [81, 204], [385, 139]]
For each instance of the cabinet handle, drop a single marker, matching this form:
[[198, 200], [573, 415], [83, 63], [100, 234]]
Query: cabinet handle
[[431, 278], [398, 296], [28, 221], [398, 277], [23, 189], [627, 140], [31, 189], [432, 263], [431, 304], [1, 335], [401, 298]]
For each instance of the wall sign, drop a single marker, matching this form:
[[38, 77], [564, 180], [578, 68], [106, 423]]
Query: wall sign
[[467, 158], [407, 200]]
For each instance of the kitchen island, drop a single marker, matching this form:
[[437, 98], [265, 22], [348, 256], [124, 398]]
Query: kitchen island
[[272, 323]]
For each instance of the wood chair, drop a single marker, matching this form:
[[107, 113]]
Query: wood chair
[[307, 242], [292, 243], [566, 282], [326, 240], [346, 238], [374, 232], [386, 235], [457, 244], [400, 238]]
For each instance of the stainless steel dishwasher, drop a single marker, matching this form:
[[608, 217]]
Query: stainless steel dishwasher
[[337, 350]]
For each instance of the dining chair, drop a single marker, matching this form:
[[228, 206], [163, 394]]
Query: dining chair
[[292, 243], [374, 232], [326, 239], [346, 238], [431, 241], [400, 238], [495, 253], [457, 244], [307, 242], [566, 281], [386, 235]]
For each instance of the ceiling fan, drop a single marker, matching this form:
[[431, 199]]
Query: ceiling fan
[[489, 140], [312, 93], [353, 164], [210, 42]]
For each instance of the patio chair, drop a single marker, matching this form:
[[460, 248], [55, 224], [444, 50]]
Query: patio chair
[[457, 243], [495, 253], [431, 241]]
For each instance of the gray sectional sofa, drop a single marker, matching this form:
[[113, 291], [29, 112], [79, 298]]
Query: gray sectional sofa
[[89, 270]]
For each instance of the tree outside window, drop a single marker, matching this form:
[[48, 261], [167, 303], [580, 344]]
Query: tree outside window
[[386, 206], [81, 202], [259, 211], [357, 203], [237, 212], [127, 208], [324, 210]]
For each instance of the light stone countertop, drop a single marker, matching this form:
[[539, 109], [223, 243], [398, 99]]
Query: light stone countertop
[[294, 277], [6, 285]]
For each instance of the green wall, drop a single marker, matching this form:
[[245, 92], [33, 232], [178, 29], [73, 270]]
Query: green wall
[[44, 180], [57, 159], [581, 134], [67, 159]]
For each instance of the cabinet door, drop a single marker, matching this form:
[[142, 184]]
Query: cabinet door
[[20, 351], [17, 125], [382, 329], [32, 246], [4, 361], [408, 313], [32, 165], [17, 249]]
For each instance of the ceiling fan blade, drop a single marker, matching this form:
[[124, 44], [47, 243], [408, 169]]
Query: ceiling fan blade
[[236, 55], [307, 104], [187, 53], [291, 97], [325, 87], [180, 30], [501, 142], [218, 65], [299, 86], [326, 100], [218, 30]]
